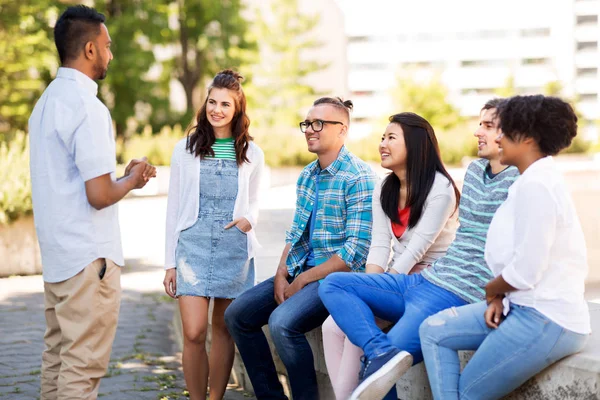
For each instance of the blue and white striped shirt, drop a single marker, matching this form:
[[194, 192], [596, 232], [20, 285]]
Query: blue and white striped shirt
[[343, 219], [463, 270]]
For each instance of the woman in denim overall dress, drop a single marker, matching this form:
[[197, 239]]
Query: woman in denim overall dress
[[210, 240]]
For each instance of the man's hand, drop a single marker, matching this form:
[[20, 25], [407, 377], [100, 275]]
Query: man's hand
[[170, 282], [242, 223], [149, 171], [493, 314], [297, 284], [280, 285], [140, 173]]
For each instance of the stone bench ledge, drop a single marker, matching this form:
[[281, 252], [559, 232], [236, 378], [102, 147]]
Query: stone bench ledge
[[575, 377]]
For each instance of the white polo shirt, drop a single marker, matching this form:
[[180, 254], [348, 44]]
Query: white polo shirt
[[71, 141]]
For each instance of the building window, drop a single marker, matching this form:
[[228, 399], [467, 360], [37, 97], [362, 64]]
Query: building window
[[535, 61], [535, 32], [358, 39], [587, 46], [487, 34], [587, 72], [417, 64], [368, 67], [484, 63], [360, 93], [588, 97], [479, 91], [587, 20]]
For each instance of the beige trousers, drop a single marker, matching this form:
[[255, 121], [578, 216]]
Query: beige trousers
[[81, 321]]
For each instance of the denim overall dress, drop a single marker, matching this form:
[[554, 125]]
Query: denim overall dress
[[213, 261]]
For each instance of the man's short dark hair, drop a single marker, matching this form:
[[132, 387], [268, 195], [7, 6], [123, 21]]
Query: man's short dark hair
[[493, 103], [337, 102], [550, 121], [74, 28]]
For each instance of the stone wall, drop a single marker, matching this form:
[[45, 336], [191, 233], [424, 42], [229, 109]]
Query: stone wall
[[19, 249]]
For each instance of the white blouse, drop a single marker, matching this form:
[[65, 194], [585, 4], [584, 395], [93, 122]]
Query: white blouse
[[536, 242], [425, 242], [183, 202]]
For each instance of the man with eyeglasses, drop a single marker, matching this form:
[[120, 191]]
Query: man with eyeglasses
[[331, 232]]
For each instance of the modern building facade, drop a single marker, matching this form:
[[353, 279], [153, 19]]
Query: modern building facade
[[475, 48]]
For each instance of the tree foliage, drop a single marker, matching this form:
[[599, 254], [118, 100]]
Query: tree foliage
[[429, 100], [279, 90], [133, 94], [27, 57], [209, 35]]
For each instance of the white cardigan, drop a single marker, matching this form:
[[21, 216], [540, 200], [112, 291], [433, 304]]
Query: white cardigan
[[183, 202], [421, 244]]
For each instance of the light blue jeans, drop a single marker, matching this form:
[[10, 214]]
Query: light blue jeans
[[525, 343]]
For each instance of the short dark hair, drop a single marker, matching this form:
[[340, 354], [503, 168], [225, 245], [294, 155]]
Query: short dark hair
[[492, 103], [550, 121], [74, 28], [338, 102]]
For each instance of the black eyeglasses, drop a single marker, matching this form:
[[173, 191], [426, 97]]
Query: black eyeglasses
[[316, 125]]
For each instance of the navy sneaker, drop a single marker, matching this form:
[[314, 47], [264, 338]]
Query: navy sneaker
[[378, 375]]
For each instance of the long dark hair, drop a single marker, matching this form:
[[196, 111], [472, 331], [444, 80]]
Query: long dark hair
[[201, 136], [423, 160]]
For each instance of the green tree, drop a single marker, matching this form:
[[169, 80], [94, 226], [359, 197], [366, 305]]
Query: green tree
[[27, 57], [509, 89], [210, 35], [429, 100], [279, 90], [128, 90]]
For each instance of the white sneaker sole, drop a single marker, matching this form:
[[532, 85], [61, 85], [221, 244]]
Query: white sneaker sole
[[381, 381]]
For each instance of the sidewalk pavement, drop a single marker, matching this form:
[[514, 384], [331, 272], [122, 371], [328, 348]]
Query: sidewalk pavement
[[145, 363]]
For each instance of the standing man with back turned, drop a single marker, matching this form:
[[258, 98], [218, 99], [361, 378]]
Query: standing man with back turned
[[74, 194]]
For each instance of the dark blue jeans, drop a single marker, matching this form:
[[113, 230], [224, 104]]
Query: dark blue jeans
[[354, 300], [288, 322]]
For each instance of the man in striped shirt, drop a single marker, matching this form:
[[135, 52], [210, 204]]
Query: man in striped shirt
[[331, 232], [462, 272]]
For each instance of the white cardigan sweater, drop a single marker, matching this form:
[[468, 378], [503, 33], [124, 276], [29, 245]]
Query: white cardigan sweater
[[421, 244], [183, 202]]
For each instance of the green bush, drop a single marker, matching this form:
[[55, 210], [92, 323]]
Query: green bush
[[454, 145], [284, 149], [15, 181], [457, 144], [158, 147], [578, 145]]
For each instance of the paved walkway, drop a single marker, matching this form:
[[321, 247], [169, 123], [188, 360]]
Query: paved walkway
[[145, 362]]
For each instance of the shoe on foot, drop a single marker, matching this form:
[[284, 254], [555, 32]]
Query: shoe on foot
[[379, 374]]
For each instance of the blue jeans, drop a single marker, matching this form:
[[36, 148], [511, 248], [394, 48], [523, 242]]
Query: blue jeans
[[525, 343], [354, 300], [288, 322]]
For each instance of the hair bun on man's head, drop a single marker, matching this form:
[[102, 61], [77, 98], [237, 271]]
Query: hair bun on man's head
[[231, 73], [348, 104]]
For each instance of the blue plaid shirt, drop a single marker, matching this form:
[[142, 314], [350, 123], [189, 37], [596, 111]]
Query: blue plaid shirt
[[343, 218]]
